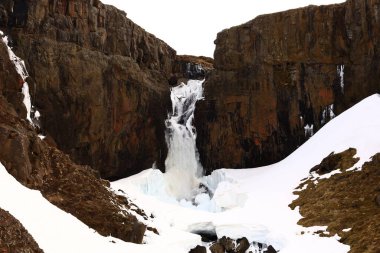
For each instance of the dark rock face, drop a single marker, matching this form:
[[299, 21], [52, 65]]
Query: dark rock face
[[282, 72], [34, 163], [99, 81], [14, 238], [190, 67]]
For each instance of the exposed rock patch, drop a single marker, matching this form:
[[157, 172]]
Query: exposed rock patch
[[342, 161], [191, 67], [346, 203], [14, 238]]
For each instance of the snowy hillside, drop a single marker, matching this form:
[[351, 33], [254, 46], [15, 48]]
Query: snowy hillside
[[250, 203], [256, 200]]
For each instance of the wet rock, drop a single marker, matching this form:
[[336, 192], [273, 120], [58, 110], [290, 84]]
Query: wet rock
[[191, 67], [198, 249], [227, 243], [217, 248], [242, 245], [270, 249], [282, 72]]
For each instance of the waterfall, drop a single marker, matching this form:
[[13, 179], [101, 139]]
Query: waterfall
[[21, 70], [183, 168]]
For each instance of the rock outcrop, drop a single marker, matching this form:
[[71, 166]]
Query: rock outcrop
[[190, 67], [36, 164], [345, 203], [282, 76], [99, 80], [14, 238]]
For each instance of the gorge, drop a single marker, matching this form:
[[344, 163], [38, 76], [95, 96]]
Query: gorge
[[88, 96]]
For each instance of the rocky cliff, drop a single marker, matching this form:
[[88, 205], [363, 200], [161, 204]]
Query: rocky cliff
[[281, 77], [99, 80], [36, 164]]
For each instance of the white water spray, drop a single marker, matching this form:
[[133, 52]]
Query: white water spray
[[183, 168]]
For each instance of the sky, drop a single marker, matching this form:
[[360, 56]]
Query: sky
[[190, 27]]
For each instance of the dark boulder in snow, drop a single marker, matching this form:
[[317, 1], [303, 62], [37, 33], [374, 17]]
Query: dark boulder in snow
[[217, 248], [242, 245], [270, 249], [198, 249]]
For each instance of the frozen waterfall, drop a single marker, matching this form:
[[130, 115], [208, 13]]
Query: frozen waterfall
[[183, 168]]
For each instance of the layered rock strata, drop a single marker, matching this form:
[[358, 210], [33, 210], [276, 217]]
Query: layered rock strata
[[282, 76], [36, 164], [99, 80]]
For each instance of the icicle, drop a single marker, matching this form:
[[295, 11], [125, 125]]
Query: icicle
[[340, 72], [327, 114], [309, 130]]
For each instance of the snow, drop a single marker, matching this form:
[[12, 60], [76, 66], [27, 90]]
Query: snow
[[53, 229], [253, 203]]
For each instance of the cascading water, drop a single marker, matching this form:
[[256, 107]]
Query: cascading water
[[183, 168], [21, 70]]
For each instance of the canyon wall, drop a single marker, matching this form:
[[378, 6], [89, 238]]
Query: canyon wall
[[99, 80], [282, 76], [38, 165]]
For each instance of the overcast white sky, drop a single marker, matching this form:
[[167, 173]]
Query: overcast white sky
[[190, 27]]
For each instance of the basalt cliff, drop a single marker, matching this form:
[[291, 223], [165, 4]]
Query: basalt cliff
[[282, 76], [99, 80]]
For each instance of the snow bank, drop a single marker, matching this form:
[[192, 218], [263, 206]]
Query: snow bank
[[255, 201]]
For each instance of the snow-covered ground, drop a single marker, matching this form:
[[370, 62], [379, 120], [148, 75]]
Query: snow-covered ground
[[250, 202], [254, 202]]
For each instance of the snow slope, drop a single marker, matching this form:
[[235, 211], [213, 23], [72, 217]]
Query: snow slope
[[251, 202], [255, 201]]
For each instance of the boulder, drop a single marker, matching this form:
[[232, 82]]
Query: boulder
[[242, 245], [198, 249], [270, 249]]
